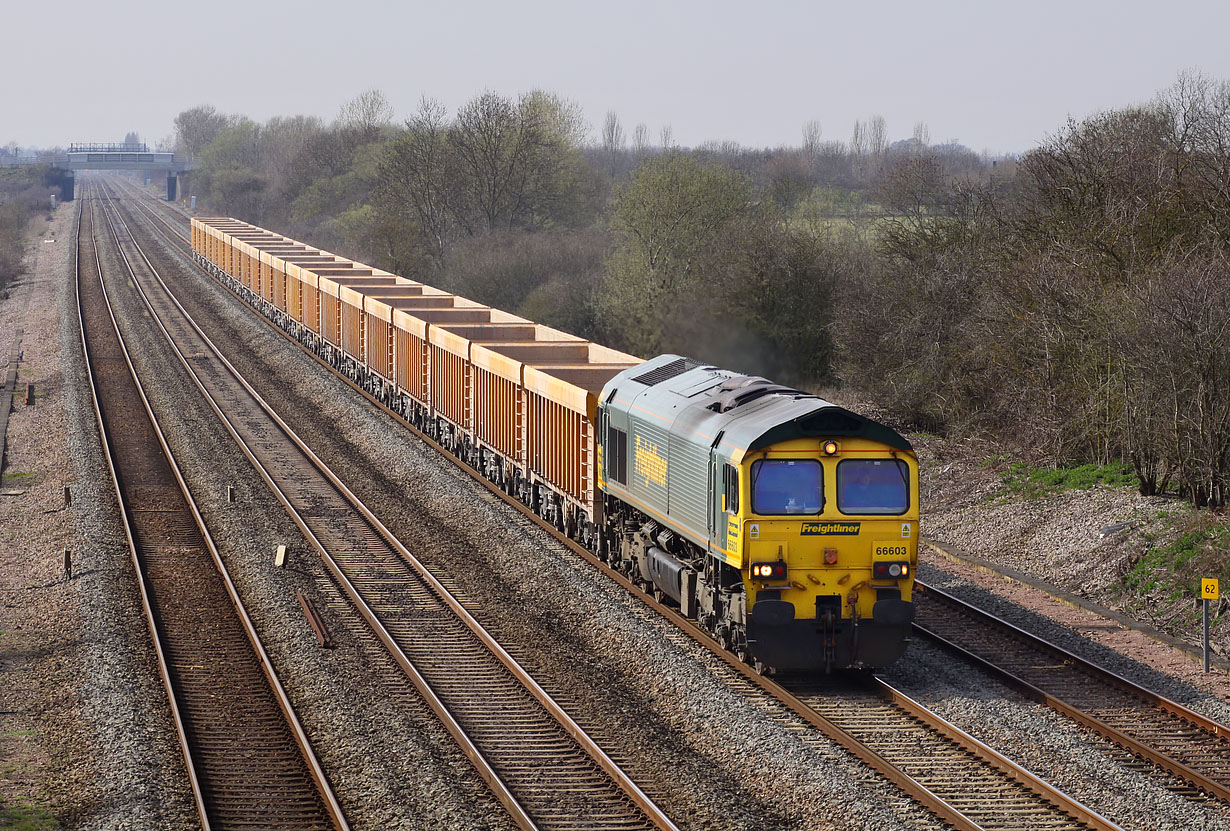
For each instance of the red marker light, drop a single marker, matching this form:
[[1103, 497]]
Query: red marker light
[[890, 571]]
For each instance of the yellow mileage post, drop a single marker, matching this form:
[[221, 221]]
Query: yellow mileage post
[[1208, 591]]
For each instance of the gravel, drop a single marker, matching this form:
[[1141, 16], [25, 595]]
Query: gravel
[[78, 683], [1075, 760], [713, 753], [968, 507], [391, 764]]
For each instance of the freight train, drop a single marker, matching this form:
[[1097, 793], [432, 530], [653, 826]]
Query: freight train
[[784, 525]]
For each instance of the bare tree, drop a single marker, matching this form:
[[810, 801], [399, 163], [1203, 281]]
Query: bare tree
[[612, 142], [612, 133], [858, 140], [668, 137], [197, 127], [922, 135], [414, 180], [367, 113], [493, 141], [877, 135], [285, 144], [811, 139], [640, 139]]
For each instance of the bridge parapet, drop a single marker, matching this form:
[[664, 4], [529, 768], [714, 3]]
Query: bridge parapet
[[109, 147], [124, 156], [106, 160]]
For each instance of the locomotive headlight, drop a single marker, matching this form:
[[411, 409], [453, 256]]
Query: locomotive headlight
[[769, 571], [831, 448], [887, 571]]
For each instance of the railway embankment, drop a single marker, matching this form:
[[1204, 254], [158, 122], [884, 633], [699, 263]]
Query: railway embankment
[[1083, 548]]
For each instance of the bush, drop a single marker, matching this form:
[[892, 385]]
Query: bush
[[22, 195], [551, 277]]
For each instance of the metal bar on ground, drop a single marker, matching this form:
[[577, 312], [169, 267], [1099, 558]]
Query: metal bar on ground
[[314, 620]]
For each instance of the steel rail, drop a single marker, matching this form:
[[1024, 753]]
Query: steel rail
[[1048, 792], [323, 790], [923, 795], [142, 584], [1215, 736], [502, 791], [299, 733]]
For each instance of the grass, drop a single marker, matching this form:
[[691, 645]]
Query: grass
[[1034, 483], [1200, 550], [23, 816], [19, 478], [19, 812]]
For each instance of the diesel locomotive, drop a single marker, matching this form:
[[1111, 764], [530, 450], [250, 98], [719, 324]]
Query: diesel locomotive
[[785, 525]]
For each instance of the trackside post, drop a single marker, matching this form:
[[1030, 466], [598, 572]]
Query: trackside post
[[1208, 591]]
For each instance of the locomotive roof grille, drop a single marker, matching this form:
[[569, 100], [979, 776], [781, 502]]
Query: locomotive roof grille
[[667, 371], [745, 389]]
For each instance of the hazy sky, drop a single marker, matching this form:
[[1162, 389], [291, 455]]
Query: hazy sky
[[993, 75]]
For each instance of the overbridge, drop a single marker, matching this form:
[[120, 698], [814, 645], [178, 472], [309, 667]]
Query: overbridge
[[110, 157]]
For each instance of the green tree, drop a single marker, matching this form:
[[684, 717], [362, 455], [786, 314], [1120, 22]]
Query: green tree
[[197, 127], [665, 219], [501, 164], [766, 305]]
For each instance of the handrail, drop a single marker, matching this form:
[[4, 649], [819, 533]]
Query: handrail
[[109, 147]]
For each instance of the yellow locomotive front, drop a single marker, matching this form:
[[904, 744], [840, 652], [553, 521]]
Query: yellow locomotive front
[[786, 525], [826, 534]]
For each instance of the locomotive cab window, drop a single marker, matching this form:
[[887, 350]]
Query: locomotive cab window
[[873, 486], [730, 482], [787, 486], [617, 455]]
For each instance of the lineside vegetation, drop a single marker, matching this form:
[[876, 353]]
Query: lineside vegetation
[[1072, 304], [23, 192]]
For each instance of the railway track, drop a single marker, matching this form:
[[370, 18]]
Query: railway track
[[985, 788], [942, 781], [248, 760], [545, 770], [1189, 746]]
